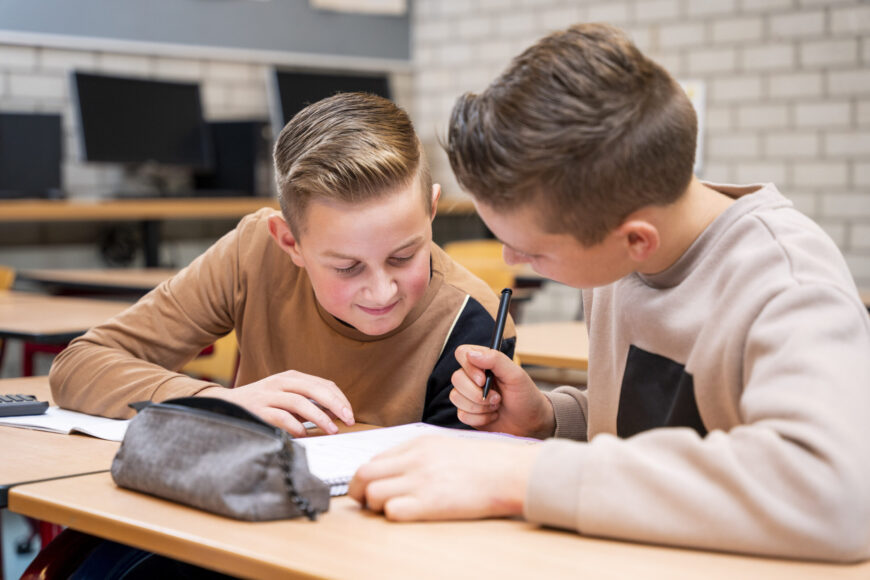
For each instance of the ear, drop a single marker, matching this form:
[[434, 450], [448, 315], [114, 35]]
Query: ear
[[280, 232], [436, 195], [641, 239]]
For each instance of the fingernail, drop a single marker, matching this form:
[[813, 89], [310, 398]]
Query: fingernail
[[473, 354], [347, 415], [332, 428]]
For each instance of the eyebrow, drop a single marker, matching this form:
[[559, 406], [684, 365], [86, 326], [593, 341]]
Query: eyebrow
[[413, 241]]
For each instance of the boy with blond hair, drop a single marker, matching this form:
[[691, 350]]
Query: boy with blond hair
[[729, 352], [342, 304]]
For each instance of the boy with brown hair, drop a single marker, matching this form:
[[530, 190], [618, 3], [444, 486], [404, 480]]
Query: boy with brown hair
[[729, 358], [341, 303]]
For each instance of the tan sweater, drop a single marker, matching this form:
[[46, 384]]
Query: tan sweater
[[728, 398], [244, 281]]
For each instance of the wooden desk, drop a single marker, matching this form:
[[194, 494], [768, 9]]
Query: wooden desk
[[553, 344], [51, 319], [148, 212], [350, 542], [41, 210], [865, 297], [121, 280], [28, 455]]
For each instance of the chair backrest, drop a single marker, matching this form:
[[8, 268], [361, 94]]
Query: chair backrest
[[7, 277], [220, 364], [485, 260]]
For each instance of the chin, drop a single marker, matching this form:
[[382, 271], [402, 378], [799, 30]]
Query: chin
[[378, 328]]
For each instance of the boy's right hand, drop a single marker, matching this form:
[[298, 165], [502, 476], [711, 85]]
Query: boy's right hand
[[288, 399], [515, 406]]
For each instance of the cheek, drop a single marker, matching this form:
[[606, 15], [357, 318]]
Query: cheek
[[415, 278], [332, 291]]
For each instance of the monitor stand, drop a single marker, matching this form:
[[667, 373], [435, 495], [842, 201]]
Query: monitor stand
[[149, 180]]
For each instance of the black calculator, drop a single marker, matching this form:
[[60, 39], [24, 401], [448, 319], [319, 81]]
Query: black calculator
[[14, 405]]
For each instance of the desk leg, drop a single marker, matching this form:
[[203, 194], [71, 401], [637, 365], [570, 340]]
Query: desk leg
[[151, 243]]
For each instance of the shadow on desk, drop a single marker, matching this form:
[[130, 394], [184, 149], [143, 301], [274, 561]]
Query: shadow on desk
[[78, 556]]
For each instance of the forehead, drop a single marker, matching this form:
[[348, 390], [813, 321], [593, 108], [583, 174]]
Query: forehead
[[381, 222], [343, 202], [520, 227]]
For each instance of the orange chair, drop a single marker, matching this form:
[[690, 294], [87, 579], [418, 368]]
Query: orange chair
[[218, 363], [7, 278], [484, 259]]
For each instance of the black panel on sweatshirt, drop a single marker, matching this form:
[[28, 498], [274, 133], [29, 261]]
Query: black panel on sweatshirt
[[656, 392]]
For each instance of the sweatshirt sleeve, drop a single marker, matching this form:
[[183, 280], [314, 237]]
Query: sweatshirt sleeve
[[135, 355], [792, 479]]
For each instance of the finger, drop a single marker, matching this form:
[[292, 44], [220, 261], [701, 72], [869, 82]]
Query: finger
[[324, 393], [381, 491], [283, 420], [474, 404], [405, 508], [383, 465], [466, 385], [477, 420], [503, 367], [306, 410], [475, 372]]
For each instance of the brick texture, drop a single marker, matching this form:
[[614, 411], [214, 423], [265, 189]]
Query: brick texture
[[787, 89]]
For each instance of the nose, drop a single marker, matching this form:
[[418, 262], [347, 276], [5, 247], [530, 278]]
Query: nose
[[511, 257], [382, 288]]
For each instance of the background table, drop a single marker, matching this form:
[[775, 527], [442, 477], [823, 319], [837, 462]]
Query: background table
[[52, 319], [98, 280], [553, 344], [151, 212], [351, 542]]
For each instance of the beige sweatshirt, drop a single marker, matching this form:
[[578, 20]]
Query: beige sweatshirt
[[728, 398], [244, 281]]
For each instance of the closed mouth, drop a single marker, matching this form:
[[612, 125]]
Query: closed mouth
[[378, 311]]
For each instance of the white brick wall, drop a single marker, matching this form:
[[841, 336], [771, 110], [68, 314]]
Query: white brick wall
[[788, 87]]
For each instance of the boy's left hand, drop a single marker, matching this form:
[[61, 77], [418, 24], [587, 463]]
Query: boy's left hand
[[437, 478]]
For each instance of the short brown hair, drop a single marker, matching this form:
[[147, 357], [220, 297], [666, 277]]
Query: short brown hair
[[581, 124], [351, 147]]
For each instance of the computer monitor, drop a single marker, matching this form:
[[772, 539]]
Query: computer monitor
[[30, 155], [137, 121], [291, 91]]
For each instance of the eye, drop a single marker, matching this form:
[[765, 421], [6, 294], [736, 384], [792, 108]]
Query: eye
[[349, 270], [399, 260]]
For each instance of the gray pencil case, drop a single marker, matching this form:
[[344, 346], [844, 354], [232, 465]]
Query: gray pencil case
[[214, 455]]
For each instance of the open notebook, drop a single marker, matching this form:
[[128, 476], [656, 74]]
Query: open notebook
[[59, 420], [335, 458]]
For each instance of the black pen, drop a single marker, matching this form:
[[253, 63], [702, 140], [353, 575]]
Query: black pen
[[498, 333]]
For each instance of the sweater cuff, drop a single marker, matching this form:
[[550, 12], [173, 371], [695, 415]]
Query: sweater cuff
[[553, 493], [179, 386], [570, 414]]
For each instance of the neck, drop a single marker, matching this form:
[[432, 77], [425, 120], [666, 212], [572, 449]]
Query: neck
[[683, 221]]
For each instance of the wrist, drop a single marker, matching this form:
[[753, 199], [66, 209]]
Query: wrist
[[213, 391], [545, 425], [519, 459]]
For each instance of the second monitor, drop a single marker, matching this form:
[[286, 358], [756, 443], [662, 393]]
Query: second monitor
[[292, 90]]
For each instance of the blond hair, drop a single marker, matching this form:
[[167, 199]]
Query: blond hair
[[352, 148]]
